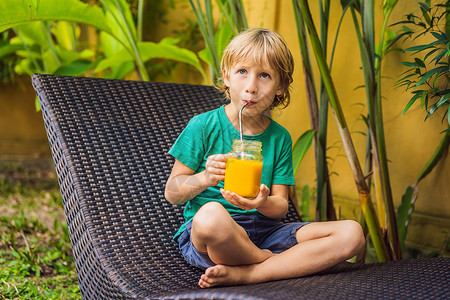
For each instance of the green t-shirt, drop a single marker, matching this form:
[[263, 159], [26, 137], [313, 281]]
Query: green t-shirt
[[212, 133]]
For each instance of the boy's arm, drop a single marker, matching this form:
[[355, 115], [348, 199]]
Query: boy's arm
[[183, 185], [272, 204], [277, 204]]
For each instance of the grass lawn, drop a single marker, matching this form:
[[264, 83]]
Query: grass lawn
[[35, 255]]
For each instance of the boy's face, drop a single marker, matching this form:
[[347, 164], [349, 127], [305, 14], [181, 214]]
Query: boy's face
[[252, 83]]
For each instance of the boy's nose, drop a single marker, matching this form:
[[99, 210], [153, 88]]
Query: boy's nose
[[251, 90], [251, 87]]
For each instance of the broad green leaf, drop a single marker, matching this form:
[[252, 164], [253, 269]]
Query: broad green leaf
[[205, 55], [66, 34], [150, 50], [8, 49], [37, 105], [448, 115], [425, 6], [390, 34], [86, 53], [440, 36], [430, 73], [409, 64], [405, 210], [419, 62], [122, 70], [436, 157], [300, 148], [388, 5], [221, 39], [305, 202], [411, 102], [169, 41], [32, 33], [404, 78], [25, 66], [51, 64], [15, 254], [442, 101], [75, 68], [430, 53], [68, 56], [120, 18], [115, 59], [426, 15], [110, 45], [440, 56], [423, 100], [16, 12], [419, 48]]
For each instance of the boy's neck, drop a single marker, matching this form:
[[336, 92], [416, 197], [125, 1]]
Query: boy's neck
[[250, 125]]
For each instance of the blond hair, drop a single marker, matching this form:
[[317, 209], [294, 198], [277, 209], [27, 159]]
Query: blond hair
[[264, 47]]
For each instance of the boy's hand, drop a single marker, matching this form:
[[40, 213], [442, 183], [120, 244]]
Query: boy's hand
[[246, 203], [215, 169]]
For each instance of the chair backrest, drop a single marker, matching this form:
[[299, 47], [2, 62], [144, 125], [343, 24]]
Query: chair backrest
[[109, 140]]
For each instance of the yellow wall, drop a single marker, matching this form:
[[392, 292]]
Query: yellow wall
[[22, 132]]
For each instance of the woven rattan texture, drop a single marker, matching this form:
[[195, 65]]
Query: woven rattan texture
[[109, 140]]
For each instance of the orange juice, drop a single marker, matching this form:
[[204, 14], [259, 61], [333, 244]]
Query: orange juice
[[243, 177]]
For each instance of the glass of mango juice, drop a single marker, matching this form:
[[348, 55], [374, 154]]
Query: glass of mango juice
[[244, 168]]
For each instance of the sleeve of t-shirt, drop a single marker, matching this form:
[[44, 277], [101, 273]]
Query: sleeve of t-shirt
[[283, 172], [188, 148]]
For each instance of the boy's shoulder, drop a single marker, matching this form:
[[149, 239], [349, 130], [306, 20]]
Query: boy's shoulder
[[279, 129], [207, 117]]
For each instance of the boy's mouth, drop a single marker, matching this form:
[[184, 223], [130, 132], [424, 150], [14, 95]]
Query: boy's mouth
[[249, 102]]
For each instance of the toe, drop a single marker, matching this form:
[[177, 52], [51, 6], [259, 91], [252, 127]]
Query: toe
[[211, 272], [203, 284]]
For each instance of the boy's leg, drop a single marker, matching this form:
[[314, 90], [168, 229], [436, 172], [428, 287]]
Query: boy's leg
[[215, 232], [321, 245]]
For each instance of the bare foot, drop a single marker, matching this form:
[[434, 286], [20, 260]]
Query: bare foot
[[231, 275], [221, 275]]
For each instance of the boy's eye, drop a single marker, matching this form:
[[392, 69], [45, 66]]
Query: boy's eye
[[265, 75], [241, 71]]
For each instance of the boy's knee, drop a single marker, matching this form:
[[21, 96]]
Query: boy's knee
[[209, 218], [353, 237]]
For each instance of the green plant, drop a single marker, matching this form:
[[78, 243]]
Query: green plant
[[35, 254], [318, 111], [7, 59], [48, 39], [427, 77], [305, 203], [231, 21], [22, 248], [371, 56], [21, 223]]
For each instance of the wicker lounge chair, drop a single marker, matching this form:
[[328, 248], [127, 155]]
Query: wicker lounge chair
[[109, 140]]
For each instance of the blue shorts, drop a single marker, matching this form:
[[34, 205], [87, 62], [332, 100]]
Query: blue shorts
[[263, 232]]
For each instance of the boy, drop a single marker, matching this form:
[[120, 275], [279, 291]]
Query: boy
[[234, 239]]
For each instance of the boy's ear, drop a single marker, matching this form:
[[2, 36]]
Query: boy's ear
[[226, 79], [280, 90]]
